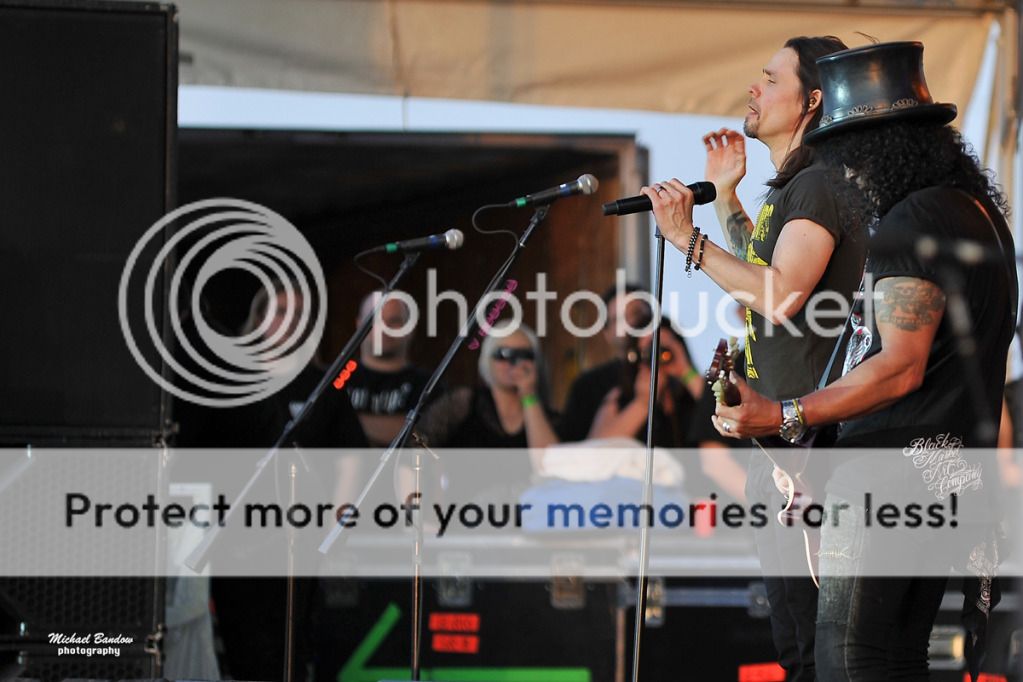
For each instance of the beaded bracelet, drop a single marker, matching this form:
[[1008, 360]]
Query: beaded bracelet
[[689, 252], [699, 258]]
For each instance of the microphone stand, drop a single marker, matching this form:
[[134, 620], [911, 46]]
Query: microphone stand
[[198, 557], [412, 418], [961, 323], [648, 474]]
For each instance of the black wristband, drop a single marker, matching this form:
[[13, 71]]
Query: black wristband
[[699, 257]]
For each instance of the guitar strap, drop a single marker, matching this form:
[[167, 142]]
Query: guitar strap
[[826, 376]]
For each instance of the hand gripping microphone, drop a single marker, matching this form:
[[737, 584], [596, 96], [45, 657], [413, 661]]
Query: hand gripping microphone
[[586, 184], [452, 239], [704, 193]]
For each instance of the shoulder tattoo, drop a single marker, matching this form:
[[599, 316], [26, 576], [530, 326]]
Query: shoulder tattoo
[[908, 303]]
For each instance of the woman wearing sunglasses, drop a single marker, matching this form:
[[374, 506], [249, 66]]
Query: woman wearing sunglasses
[[507, 409], [510, 408]]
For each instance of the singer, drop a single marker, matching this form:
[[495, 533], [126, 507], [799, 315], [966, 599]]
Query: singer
[[799, 245]]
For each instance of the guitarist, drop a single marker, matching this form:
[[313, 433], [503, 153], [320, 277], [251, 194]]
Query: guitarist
[[908, 386], [798, 246]]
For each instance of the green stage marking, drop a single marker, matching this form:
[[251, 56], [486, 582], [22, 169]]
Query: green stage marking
[[355, 670]]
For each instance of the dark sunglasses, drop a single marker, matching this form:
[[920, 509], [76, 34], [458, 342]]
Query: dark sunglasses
[[513, 355]]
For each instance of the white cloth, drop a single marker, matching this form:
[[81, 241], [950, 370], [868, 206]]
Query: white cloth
[[602, 459]]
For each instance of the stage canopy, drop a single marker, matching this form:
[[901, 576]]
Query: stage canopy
[[669, 56]]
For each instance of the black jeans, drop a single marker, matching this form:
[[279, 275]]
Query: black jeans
[[870, 628]]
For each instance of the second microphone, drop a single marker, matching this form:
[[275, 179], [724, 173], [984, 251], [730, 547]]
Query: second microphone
[[703, 192]]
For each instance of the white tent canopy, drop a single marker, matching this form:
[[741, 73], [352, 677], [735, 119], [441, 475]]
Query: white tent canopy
[[675, 57]]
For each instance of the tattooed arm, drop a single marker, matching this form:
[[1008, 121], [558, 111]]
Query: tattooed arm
[[736, 225], [908, 312], [726, 166]]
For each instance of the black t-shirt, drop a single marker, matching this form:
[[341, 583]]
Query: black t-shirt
[[591, 388], [467, 418], [942, 411], [332, 423], [585, 397], [394, 393], [780, 364]]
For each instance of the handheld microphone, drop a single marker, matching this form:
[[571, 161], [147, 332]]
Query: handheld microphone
[[704, 193], [586, 184], [452, 239]]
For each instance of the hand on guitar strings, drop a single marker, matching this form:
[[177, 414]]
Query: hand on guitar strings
[[754, 416]]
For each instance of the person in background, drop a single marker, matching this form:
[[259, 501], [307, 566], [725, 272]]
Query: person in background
[[251, 611], [385, 385], [509, 409], [679, 389], [616, 390]]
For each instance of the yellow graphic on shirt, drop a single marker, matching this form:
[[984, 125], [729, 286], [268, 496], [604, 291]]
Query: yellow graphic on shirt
[[763, 226], [751, 337], [763, 222]]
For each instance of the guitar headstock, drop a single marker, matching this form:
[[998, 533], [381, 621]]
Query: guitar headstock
[[720, 368]]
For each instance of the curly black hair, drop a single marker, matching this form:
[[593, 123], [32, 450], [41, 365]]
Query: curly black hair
[[879, 165]]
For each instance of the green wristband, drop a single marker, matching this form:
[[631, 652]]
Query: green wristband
[[690, 375], [529, 400]]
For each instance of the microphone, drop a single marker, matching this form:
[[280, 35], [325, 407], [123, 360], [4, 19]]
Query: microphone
[[452, 239], [704, 193], [586, 184]]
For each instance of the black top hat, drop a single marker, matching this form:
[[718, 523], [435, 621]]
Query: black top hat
[[875, 83]]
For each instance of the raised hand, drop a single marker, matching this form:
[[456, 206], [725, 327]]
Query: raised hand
[[524, 376], [726, 160]]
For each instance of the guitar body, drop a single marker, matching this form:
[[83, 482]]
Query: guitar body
[[792, 460]]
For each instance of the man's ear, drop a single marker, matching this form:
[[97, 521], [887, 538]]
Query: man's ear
[[813, 101]]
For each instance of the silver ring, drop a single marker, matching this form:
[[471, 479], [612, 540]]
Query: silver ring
[[658, 189], [726, 426]]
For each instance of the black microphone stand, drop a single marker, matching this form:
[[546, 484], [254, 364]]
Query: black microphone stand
[[198, 557], [961, 323], [412, 418], [648, 477]]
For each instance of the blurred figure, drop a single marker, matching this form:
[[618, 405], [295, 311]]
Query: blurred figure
[[507, 409], [679, 387], [251, 611], [510, 408], [386, 385], [610, 400]]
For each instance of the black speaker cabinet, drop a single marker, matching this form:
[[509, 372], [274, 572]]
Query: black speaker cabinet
[[88, 133]]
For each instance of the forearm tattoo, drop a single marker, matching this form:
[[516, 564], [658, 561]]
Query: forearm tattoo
[[738, 229], [908, 303]]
